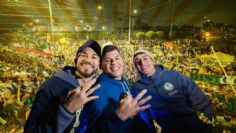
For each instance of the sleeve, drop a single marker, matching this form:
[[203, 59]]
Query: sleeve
[[46, 115], [144, 115], [196, 97], [103, 120], [64, 119], [147, 118]]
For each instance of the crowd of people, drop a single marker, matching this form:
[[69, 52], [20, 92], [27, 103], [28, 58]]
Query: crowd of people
[[21, 79]]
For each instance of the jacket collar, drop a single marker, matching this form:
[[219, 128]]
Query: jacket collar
[[106, 77], [121, 83], [67, 74], [146, 79]]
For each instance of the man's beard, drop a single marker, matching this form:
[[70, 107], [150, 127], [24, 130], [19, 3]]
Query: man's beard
[[86, 74]]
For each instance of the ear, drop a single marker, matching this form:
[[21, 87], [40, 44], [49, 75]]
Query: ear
[[75, 60]]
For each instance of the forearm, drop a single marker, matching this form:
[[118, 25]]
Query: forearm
[[64, 119], [199, 101]]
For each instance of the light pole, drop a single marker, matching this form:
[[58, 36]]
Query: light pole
[[121, 26], [171, 25], [130, 6], [51, 22]]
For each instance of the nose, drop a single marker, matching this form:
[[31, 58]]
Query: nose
[[88, 59], [112, 62]]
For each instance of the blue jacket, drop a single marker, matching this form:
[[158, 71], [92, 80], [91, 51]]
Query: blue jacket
[[48, 114], [175, 100], [101, 116]]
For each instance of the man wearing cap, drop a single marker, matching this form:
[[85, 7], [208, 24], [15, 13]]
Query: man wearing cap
[[61, 96], [176, 99]]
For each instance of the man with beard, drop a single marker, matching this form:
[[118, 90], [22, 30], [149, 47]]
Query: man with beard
[[115, 111], [60, 97]]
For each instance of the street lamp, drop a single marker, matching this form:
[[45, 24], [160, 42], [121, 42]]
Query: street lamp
[[134, 13], [207, 34], [103, 27], [99, 7], [37, 21]]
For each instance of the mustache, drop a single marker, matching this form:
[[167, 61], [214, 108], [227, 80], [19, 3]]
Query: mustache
[[86, 63]]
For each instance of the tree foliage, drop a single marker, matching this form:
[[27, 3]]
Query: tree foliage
[[140, 35], [151, 35]]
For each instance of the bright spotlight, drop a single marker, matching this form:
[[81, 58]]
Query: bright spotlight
[[99, 7]]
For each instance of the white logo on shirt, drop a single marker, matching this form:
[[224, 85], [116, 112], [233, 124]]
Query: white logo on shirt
[[168, 86]]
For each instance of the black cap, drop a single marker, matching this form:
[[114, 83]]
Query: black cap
[[92, 44]]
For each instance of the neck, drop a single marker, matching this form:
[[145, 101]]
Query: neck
[[111, 76], [152, 73], [118, 78], [82, 80]]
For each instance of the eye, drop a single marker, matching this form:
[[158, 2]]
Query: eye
[[145, 58], [95, 57], [107, 60], [83, 55], [117, 58]]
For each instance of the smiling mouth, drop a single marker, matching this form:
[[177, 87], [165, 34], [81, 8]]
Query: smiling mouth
[[114, 69], [88, 65], [144, 68]]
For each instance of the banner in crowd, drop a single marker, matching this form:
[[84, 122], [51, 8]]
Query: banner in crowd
[[213, 79], [210, 60]]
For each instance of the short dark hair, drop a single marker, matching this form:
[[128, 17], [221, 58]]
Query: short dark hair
[[108, 48]]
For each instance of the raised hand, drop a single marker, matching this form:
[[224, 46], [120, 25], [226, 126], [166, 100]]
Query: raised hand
[[79, 96], [129, 106]]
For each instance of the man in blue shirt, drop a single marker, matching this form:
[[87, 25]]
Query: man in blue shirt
[[115, 111]]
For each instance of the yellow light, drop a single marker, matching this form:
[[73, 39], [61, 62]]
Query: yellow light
[[76, 28], [103, 27], [135, 11], [207, 34], [37, 20], [99, 7]]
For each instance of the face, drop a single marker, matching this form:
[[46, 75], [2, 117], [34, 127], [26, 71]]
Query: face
[[112, 64], [87, 62], [144, 64]]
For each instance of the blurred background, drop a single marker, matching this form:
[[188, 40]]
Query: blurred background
[[39, 37]]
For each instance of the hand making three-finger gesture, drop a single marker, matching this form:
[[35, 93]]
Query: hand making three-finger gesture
[[81, 95]]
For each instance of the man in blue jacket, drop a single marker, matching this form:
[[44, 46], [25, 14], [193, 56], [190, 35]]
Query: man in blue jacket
[[176, 99], [60, 97], [115, 111]]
